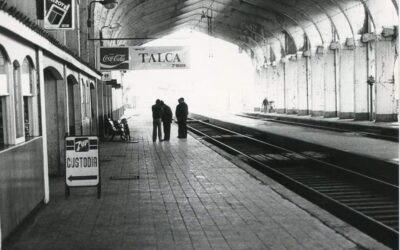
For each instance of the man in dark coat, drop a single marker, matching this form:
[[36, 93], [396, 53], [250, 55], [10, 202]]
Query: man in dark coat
[[156, 110], [166, 117], [181, 114]]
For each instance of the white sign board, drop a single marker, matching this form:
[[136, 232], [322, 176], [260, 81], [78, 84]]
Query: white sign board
[[82, 161], [161, 57], [142, 57]]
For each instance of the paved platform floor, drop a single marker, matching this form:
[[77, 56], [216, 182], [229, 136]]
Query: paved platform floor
[[348, 142], [187, 196]]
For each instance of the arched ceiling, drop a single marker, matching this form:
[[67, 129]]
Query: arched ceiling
[[294, 25]]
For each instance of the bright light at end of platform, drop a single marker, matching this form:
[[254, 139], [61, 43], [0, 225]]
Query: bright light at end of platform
[[219, 79]]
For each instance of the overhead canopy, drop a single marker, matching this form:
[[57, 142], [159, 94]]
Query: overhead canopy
[[262, 27]]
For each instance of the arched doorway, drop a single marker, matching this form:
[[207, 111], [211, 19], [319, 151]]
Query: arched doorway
[[4, 96], [53, 123], [73, 85], [93, 108]]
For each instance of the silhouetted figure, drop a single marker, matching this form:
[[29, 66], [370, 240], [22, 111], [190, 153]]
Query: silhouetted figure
[[127, 133], [181, 114], [166, 117], [265, 105], [156, 109]]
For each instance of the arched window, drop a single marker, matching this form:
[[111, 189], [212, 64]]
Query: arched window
[[28, 83], [4, 93], [19, 119]]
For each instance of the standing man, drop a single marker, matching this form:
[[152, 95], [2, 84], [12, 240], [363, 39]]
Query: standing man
[[265, 105], [156, 109], [166, 117], [181, 114]]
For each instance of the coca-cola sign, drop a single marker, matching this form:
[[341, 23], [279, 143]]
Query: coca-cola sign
[[114, 58]]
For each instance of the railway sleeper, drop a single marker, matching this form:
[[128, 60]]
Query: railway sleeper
[[282, 163], [301, 170], [326, 183], [357, 204], [337, 189], [373, 212], [299, 173], [366, 200], [317, 179], [344, 192], [351, 196], [389, 207], [386, 217]]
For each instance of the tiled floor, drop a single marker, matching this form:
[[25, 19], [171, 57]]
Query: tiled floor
[[186, 197]]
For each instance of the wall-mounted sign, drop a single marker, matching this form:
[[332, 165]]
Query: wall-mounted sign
[[139, 58], [59, 14], [114, 58], [106, 76], [112, 82], [82, 163]]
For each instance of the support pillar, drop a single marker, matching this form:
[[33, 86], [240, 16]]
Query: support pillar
[[302, 85], [346, 87], [330, 82], [40, 69], [361, 86], [317, 84], [291, 87], [384, 86]]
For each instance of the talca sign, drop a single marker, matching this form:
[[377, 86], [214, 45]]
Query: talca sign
[[140, 58], [82, 161], [59, 14], [176, 57]]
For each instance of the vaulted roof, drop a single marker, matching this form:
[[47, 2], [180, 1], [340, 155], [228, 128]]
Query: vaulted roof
[[282, 26]]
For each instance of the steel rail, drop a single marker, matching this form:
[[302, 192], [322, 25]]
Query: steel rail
[[380, 182], [371, 226]]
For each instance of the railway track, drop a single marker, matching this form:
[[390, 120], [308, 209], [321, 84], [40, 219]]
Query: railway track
[[366, 202]]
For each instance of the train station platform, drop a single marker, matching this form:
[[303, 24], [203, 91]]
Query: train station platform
[[180, 194], [347, 142], [382, 129]]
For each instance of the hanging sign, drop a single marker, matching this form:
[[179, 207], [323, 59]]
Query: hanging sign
[[139, 58], [164, 57], [82, 163], [114, 58], [106, 76], [59, 14]]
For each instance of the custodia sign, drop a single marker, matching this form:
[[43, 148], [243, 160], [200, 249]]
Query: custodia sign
[[82, 161], [59, 14]]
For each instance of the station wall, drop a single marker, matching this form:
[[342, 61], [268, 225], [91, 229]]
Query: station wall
[[333, 83], [344, 57], [21, 183], [35, 107]]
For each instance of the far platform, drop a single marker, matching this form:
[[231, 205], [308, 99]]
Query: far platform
[[180, 195], [350, 142]]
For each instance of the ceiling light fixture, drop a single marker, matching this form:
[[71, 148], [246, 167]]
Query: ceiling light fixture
[[108, 4]]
